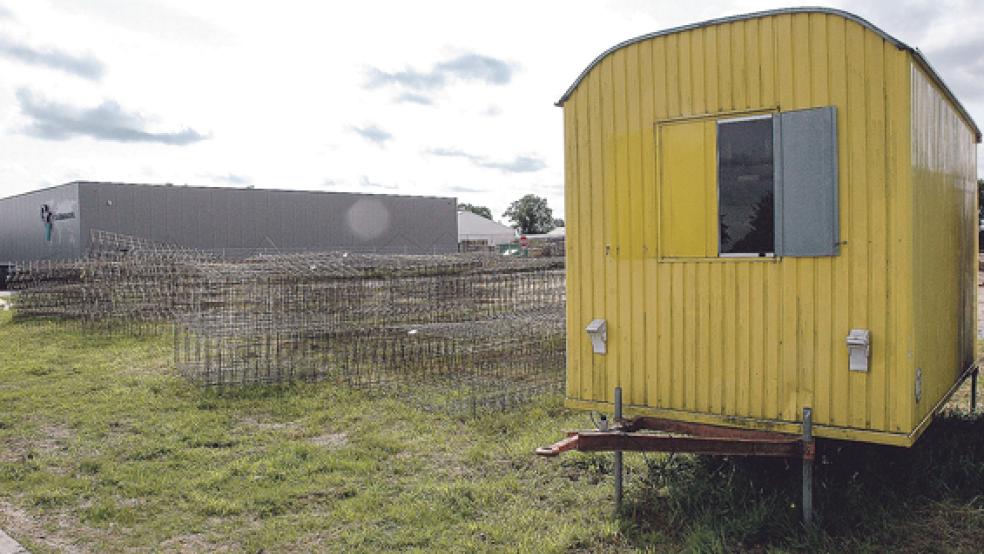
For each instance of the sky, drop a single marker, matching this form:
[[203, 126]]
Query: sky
[[423, 98]]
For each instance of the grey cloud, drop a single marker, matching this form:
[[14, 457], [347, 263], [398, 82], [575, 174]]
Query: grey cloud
[[967, 55], [909, 20], [450, 153], [5, 13], [961, 64], [81, 66], [519, 164], [366, 183], [492, 111], [957, 56], [374, 134], [467, 67], [479, 68], [107, 121], [967, 88], [414, 98], [407, 78]]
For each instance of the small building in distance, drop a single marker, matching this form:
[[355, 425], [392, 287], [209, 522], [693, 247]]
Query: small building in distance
[[477, 232], [549, 244], [56, 222]]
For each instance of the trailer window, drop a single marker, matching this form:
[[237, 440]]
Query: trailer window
[[746, 187], [758, 186]]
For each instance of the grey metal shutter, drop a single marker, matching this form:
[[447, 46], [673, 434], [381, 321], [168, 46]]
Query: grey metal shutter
[[807, 222]]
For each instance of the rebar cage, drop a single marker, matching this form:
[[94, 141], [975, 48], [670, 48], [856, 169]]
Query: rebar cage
[[457, 333]]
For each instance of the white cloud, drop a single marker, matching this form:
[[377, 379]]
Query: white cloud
[[519, 164], [229, 179], [285, 102], [415, 98], [372, 133]]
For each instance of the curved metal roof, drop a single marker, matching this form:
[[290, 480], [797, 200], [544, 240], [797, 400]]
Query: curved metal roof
[[916, 54]]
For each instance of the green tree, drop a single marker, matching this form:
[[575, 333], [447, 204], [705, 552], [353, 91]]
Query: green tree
[[531, 214], [477, 210]]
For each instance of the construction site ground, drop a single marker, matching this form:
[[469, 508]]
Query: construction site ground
[[104, 448]]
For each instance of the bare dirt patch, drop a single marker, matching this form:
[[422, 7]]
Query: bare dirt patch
[[23, 528], [192, 542], [51, 438], [330, 441], [14, 450], [291, 429]]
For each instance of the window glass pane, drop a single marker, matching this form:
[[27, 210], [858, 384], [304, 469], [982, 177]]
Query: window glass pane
[[746, 191]]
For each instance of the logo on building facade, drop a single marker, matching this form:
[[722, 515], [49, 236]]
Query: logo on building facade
[[49, 217]]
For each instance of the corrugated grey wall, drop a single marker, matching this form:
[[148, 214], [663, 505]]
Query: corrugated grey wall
[[22, 232], [242, 220]]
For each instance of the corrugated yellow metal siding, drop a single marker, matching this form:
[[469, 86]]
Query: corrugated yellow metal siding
[[713, 339], [944, 180]]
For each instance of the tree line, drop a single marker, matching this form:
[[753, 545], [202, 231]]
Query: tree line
[[530, 214]]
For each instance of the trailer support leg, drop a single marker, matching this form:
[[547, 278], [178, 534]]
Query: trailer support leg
[[618, 454], [808, 456], [973, 390]]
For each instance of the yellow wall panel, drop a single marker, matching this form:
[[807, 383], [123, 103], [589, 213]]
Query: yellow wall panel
[[597, 374], [944, 171], [684, 196], [572, 253]]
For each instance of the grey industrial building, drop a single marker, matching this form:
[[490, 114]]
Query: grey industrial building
[[56, 222]]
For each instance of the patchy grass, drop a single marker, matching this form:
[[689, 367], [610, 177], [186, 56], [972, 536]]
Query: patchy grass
[[929, 498], [104, 448]]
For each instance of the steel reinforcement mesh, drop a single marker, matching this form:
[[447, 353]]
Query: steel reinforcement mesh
[[457, 333]]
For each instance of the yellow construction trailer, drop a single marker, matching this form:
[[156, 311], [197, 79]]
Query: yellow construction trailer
[[766, 213]]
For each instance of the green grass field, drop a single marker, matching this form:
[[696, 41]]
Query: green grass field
[[103, 448]]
